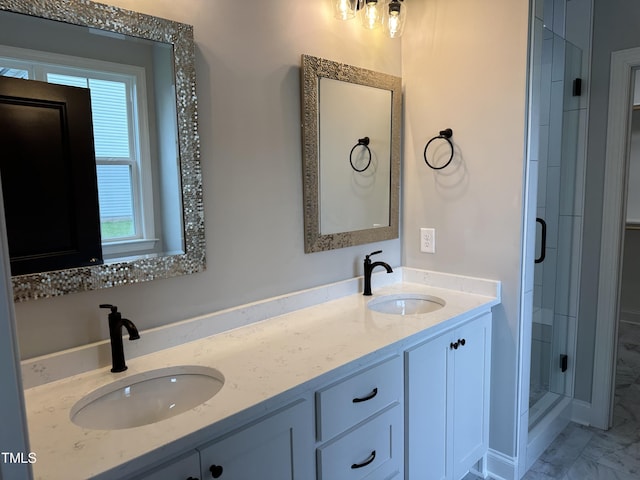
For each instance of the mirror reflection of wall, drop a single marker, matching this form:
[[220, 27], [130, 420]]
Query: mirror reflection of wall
[[351, 199]]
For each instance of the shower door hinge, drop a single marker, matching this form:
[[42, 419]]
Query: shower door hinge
[[577, 87], [564, 362]]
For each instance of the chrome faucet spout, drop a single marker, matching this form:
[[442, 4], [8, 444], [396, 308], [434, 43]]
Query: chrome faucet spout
[[116, 322], [368, 270]]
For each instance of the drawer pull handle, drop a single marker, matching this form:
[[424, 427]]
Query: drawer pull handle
[[368, 397], [371, 458]]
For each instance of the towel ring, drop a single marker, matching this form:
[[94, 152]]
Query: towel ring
[[446, 135], [365, 143]]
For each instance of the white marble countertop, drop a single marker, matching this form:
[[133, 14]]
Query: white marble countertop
[[260, 361]]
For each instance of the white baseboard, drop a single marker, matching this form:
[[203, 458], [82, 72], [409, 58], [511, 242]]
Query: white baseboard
[[501, 466], [545, 432], [583, 413], [631, 316]]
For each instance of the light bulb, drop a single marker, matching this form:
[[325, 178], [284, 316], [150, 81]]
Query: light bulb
[[371, 14], [345, 9], [395, 18], [394, 24]]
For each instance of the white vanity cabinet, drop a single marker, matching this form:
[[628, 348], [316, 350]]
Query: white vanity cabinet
[[277, 447], [359, 423], [447, 401]]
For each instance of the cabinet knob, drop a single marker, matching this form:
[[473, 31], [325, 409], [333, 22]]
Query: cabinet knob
[[216, 471], [459, 343]]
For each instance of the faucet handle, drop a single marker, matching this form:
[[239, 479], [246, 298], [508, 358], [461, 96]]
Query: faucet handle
[[374, 253], [113, 308]]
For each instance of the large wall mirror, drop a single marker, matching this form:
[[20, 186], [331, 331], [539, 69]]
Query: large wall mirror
[[351, 154], [140, 71]]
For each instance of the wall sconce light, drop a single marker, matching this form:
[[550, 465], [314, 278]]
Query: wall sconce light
[[374, 13]]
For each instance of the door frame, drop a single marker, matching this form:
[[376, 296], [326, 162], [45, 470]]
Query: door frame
[[623, 63]]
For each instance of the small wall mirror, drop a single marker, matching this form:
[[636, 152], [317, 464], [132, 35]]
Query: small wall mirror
[[140, 71], [351, 154]]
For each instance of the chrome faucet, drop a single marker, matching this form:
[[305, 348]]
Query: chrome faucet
[[116, 322], [368, 270]]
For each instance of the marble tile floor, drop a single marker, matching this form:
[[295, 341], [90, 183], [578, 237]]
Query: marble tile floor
[[585, 453]]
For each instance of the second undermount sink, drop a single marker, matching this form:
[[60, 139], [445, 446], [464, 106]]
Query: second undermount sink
[[147, 397], [406, 304]]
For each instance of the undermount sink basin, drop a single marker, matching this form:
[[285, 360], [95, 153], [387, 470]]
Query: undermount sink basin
[[147, 397], [406, 304]]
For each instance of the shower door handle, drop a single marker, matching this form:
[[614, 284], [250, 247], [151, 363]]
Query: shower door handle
[[543, 240]]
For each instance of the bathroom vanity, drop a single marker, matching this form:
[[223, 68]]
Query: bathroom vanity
[[322, 387]]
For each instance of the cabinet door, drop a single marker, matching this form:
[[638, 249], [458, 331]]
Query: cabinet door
[[447, 395], [279, 447], [426, 410], [470, 395], [48, 171], [183, 468]]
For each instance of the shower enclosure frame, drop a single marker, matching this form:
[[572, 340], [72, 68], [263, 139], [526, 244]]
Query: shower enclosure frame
[[541, 423]]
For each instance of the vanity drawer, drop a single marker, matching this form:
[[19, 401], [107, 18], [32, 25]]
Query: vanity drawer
[[346, 403], [372, 450]]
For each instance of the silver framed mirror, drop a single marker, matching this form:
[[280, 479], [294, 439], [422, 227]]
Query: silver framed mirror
[[189, 256], [351, 120]]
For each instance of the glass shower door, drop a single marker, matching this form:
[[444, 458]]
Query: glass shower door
[[559, 224]]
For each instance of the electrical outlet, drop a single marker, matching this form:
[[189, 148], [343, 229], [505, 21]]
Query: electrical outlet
[[428, 240]]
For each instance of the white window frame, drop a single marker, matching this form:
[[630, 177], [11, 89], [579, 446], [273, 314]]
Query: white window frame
[[39, 63]]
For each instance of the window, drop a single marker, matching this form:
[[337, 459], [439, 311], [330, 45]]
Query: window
[[118, 103]]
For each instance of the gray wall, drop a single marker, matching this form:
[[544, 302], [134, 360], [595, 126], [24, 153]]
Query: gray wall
[[615, 28], [461, 73]]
